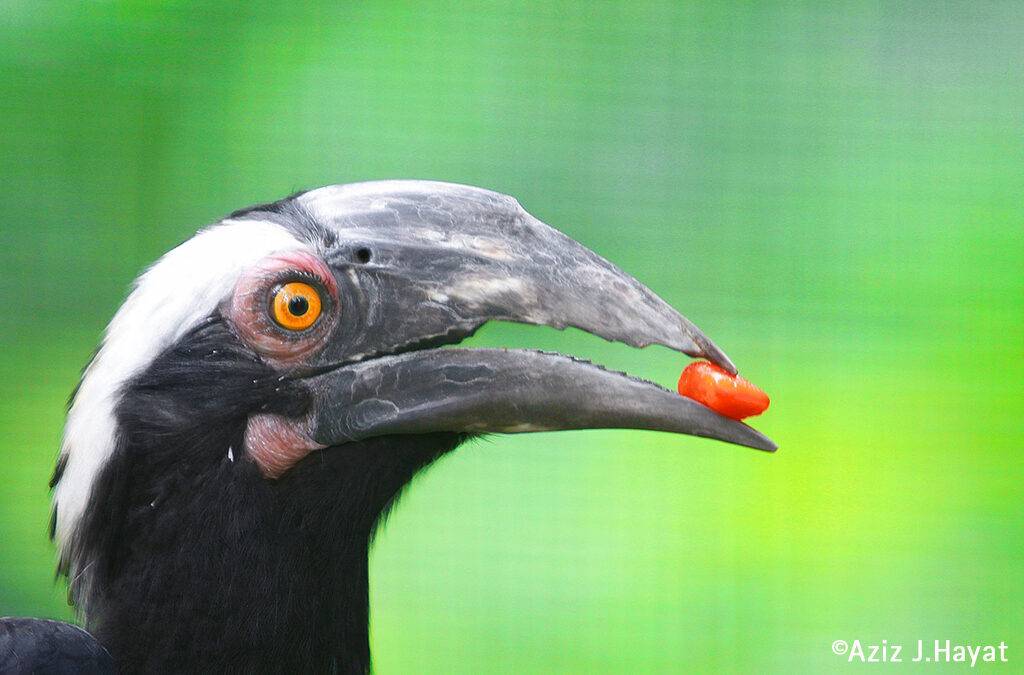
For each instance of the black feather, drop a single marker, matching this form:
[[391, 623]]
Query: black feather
[[290, 214], [43, 647], [188, 561]]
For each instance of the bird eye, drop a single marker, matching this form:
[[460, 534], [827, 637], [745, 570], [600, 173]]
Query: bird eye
[[296, 305]]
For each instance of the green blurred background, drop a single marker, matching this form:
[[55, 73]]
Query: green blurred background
[[833, 192]]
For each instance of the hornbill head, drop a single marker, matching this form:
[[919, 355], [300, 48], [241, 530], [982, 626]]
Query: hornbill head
[[311, 328]]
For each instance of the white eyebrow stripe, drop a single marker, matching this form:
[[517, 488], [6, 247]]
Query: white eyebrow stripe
[[169, 299]]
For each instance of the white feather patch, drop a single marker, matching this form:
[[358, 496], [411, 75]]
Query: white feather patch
[[185, 286]]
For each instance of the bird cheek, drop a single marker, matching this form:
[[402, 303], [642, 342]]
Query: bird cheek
[[277, 443]]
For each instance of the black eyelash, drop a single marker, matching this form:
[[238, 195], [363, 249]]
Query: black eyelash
[[303, 276]]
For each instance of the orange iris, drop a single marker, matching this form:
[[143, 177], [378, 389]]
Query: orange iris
[[296, 305]]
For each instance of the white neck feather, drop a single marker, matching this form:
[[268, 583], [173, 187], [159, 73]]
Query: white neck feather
[[181, 289]]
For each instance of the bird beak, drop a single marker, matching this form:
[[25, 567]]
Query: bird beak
[[421, 264]]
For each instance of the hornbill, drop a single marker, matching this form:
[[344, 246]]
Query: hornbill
[[269, 387]]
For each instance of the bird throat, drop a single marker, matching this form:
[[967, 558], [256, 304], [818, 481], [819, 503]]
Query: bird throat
[[192, 557], [235, 571]]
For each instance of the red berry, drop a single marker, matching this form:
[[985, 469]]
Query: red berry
[[726, 394]]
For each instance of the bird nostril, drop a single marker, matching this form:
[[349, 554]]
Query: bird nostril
[[363, 255]]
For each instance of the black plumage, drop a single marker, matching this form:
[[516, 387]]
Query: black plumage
[[43, 647], [240, 574]]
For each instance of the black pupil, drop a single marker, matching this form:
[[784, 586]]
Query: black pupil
[[298, 305]]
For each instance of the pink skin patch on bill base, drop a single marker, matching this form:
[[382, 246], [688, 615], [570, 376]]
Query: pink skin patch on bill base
[[277, 443]]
